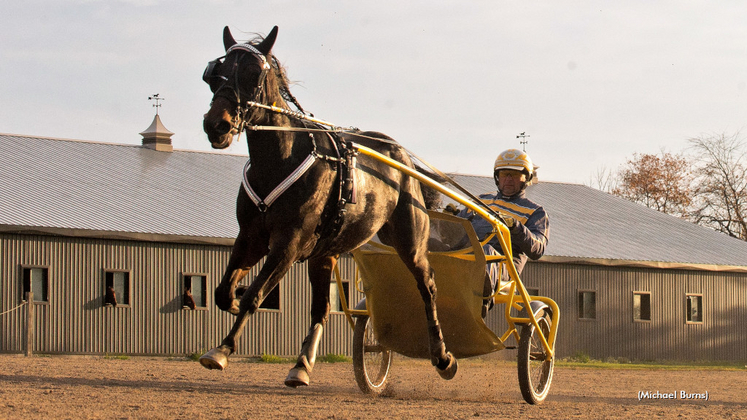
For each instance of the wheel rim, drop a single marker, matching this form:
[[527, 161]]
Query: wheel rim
[[540, 367], [375, 358]]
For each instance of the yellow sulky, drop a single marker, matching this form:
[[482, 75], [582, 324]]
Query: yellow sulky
[[517, 294]]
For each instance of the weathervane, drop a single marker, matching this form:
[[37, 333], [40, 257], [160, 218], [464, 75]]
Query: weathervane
[[156, 98], [523, 136]]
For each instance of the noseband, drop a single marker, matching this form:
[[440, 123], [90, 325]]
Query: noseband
[[242, 107]]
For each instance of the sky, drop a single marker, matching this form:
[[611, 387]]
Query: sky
[[590, 82]]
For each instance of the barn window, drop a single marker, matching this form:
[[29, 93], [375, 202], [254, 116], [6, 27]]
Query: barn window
[[587, 304], [641, 306], [694, 308], [117, 288], [194, 291], [272, 300], [335, 299], [533, 291], [36, 280]]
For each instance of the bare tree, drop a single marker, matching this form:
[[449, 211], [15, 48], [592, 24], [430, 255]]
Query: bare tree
[[721, 179], [659, 182], [604, 179]]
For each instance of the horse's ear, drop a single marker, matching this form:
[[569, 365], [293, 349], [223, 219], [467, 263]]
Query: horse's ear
[[266, 45], [228, 40]]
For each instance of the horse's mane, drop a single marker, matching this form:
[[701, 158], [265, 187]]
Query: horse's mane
[[281, 78], [432, 198], [283, 84]]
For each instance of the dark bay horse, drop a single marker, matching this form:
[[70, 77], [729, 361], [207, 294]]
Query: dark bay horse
[[306, 218]]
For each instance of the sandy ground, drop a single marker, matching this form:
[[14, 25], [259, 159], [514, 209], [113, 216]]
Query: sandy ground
[[160, 388]]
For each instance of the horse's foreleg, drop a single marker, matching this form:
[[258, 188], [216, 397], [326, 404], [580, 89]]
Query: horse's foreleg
[[269, 276], [245, 254], [225, 293], [320, 271], [217, 358]]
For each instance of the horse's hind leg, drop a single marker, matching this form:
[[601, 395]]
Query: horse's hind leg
[[445, 362], [411, 245], [320, 271]]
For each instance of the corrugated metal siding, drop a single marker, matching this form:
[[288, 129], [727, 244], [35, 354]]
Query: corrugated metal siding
[[614, 333], [75, 320]]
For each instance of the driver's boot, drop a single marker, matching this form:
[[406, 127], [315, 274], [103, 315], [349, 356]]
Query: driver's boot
[[487, 292]]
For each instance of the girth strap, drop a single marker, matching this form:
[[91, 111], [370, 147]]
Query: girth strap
[[261, 204]]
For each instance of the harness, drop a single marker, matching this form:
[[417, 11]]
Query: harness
[[264, 204], [345, 165], [345, 152]]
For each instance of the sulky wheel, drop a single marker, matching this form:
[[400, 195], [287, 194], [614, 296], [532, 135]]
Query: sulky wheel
[[371, 361], [535, 368]]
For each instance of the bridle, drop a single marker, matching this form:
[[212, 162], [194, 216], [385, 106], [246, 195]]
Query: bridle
[[242, 107], [239, 121]]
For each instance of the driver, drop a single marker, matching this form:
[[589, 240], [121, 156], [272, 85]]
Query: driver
[[527, 221]]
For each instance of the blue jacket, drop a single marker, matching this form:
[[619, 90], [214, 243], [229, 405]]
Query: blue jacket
[[528, 237]]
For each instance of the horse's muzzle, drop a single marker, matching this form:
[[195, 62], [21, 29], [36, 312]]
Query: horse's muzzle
[[221, 145], [219, 134]]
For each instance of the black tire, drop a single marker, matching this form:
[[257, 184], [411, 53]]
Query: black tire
[[371, 361], [535, 368]]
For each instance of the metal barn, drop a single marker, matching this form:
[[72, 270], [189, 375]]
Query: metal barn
[[148, 221], [77, 217]]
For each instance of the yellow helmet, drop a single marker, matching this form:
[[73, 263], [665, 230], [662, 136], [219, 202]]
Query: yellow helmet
[[515, 159]]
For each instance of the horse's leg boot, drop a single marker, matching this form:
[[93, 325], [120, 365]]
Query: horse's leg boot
[[299, 374], [214, 359]]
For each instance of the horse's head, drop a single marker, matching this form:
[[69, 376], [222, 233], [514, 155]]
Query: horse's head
[[235, 79]]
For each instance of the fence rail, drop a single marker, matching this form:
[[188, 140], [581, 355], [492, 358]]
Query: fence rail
[[11, 310]]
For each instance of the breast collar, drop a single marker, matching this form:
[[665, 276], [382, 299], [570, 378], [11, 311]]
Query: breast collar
[[345, 163], [264, 204]]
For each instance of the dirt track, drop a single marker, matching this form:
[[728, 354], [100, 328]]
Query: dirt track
[[94, 387]]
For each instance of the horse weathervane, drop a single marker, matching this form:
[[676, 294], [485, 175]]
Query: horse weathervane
[[523, 136], [156, 98]]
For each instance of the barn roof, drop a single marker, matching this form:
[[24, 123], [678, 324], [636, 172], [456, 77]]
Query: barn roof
[[117, 191], [104, 190], [598, 227]]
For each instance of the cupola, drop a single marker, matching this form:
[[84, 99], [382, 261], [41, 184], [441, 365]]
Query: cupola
[[157, 137]]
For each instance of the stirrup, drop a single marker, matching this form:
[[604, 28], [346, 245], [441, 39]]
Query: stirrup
[[504, 287]]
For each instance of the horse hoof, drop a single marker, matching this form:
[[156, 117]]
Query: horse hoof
[[214, 359], [234, 309], [449, 371], [297, 377]]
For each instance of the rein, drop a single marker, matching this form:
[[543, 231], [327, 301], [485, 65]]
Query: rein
[[354, 132], [240, 125]]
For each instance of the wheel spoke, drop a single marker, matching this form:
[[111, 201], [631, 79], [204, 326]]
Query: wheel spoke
[[373, 348], [534, 365]]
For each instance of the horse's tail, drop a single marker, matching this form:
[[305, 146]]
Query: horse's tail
[[431, 197]]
